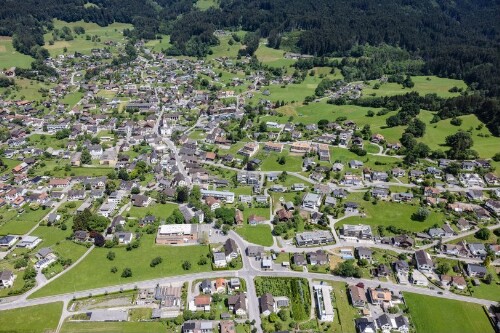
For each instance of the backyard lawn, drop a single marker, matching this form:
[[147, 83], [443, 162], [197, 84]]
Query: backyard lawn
[[33, 319], [433, 314], [488, 291], [137, 260], [158, 210], [257, 234]]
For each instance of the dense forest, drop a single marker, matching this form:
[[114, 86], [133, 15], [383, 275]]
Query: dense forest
[[457, 39]]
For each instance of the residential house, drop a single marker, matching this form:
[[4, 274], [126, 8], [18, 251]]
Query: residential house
[[220, 285], [198, 326], [424, 261], [230, 249], [219, 259], [238, 304], [202, 302], [365, 253], [358, 296], [299, 259], [477, 249], [206, 286], [6, 279], [319, 257], [378, 296], [365, 325], [254, 251], [266, 303], [475, 270]]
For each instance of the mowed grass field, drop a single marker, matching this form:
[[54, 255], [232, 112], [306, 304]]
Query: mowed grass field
[[125, 327], [439, 315], [257, 234], [423, 85], [33, 319], [94, 270], [112, 32], [9, 57], [388, 213]]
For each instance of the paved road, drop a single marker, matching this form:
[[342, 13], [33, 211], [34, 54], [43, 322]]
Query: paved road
[[249, 272]]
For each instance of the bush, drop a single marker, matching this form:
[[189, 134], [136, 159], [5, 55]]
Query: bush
[[186, 265], [114, 269], [420, 215], [127, 272], [156, 261], [483, 233], [456, 121], [111, 255]]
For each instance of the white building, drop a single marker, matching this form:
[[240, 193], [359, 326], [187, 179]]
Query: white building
[[323, 297]]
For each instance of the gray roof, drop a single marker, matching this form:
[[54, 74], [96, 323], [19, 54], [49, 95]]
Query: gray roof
[[109, 315]]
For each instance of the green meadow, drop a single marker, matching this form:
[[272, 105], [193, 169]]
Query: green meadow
[[138, 260], [32, 319], [10, 57], [110, 33], [423, 85], [439, 315]]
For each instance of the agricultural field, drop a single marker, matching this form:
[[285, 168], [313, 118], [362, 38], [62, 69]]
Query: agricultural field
[[224, 49], [314, 112], [9, 57], [484, 142], [159, 44], [273, 57], [27, 90], [432, 314], [137, 260], [80, 43], [388, 213], [258, 234], [423, 85], [33, 319]]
